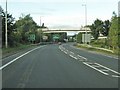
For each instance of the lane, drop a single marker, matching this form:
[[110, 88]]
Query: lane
[[48, 67], [95, 57]]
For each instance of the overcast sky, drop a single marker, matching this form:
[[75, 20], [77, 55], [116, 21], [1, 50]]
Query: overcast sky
[[62, 13]]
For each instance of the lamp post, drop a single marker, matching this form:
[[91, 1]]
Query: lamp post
[[85, 18], [40, 21], [6, 39]]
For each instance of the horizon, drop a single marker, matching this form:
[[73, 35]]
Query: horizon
[[60, 14]]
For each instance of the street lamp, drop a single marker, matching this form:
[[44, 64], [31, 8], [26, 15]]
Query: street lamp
[[6, 39], [85, 17], [40, 21]]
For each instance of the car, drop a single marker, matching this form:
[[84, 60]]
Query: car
[[59, 43]]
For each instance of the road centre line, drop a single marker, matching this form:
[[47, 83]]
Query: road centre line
[[2, 67]]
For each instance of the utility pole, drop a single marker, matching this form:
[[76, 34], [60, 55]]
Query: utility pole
[[40, 30], [85, 20], [40, 20], [6, 39]]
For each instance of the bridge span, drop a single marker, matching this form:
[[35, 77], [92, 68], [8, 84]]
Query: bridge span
[[58, 31]]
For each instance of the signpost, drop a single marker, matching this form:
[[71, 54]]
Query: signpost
[[86, 38], [32, 37]]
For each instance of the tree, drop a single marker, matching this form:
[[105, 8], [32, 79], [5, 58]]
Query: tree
[[79, 37], [113, 33], [10, 28], [96, 27], [24, 26], [106, 27]]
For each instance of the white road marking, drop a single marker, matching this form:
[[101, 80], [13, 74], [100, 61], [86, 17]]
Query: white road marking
[[65, 52], [73, 57], [108, 69], [82, 57], [18, 58], [71, 52], [96, 69], [81, 60], [89, 63], [115, 76], [98, 53], [95, 65]]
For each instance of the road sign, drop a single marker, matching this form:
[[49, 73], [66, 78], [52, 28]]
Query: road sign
[[56, 36], [32, 37], [86, 38]]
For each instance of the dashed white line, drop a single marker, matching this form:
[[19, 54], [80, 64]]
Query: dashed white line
[[18, 58]]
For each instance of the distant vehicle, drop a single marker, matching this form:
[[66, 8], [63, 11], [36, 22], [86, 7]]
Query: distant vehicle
[[59, 43]]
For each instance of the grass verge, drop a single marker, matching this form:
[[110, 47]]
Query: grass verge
[[12, 50], [99, 50]]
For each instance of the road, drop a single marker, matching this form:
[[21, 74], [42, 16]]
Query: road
[[59, 66]]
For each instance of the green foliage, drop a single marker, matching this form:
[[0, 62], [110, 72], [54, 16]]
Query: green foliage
[[10, 29], [106, 27], [113, 33], [24, 26], [96, 27], [79, 37], [100, 27]]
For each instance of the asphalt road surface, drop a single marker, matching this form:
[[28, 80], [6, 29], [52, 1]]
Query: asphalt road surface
[[59, 66]]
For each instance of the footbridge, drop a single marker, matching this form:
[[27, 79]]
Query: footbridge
[[83, 30]]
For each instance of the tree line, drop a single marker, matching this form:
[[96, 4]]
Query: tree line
[[108, 28], [20, 30]]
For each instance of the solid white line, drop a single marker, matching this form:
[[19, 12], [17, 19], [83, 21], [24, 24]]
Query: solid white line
[[65, 52], [105, 70], [71, 52], [95, 65], [82, 57], [96, 69], [108, 69], [18, 58], [73, 57], [89, 63], [115, 76], [81, 60]]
